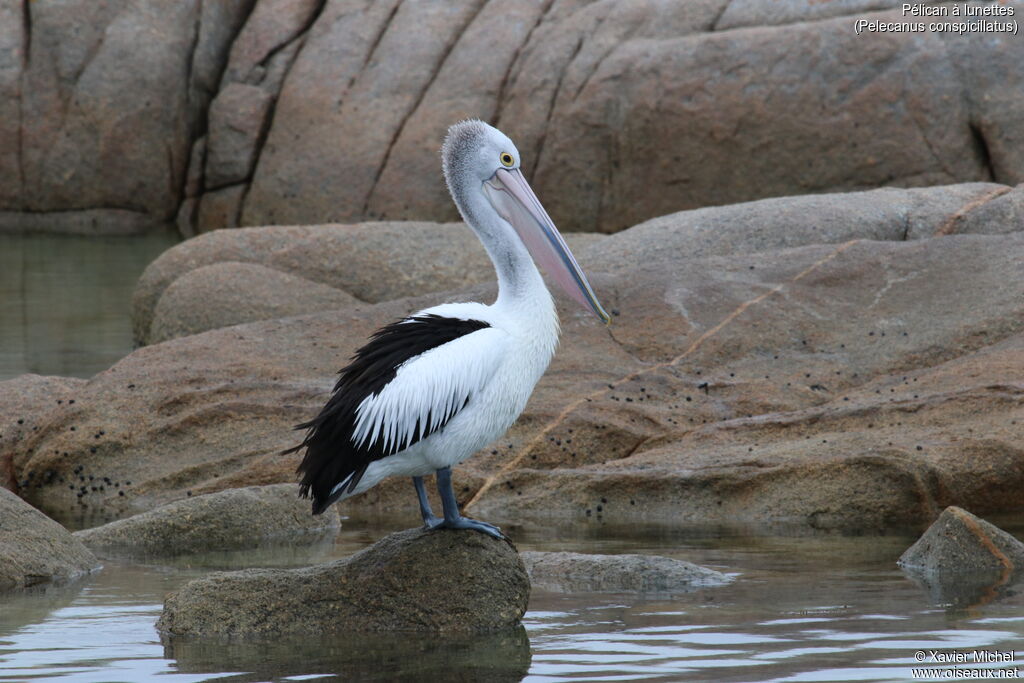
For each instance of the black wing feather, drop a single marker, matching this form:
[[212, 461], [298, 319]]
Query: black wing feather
[[331, 456]]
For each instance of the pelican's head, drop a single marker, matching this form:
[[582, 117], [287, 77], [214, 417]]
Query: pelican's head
[[478, 158]]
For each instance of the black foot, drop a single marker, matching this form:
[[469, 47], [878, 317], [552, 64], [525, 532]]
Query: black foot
[[467, 523]]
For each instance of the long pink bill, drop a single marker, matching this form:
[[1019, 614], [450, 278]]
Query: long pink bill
[[513, 199]]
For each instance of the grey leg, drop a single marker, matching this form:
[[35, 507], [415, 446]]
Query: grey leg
[[429, 520], [452, 518]]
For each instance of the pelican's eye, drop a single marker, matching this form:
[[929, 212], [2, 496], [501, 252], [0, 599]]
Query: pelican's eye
[[506, 160]]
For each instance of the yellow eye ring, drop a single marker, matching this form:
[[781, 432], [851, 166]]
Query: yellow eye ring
[[506, 160]]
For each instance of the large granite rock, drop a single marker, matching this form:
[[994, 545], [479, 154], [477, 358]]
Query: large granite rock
[[25, 404], [963, 560], [228, 293], [380, 261], [582, 573], [253, 112], [441, 581], [35, 549], [226, 520], [613, 104], [102, 101], [860, 384], [231, 276]]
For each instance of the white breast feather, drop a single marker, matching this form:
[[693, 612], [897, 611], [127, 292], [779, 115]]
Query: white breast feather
[[433, 385]]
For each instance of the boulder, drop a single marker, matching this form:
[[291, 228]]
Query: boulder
[[308, 265], [580, 573], [863, 384], [613, 104], [97, 147], [25, 404], [228, 293], [375, 262], [317, 111], [226, 520], [887, 214], [35, 549], [960, 543], [657, 119], [964, 560], [442, 581]]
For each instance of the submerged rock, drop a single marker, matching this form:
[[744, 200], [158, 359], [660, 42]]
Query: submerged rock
[[440, 581], [226, 520], [577, 573], [963, 560], [35, 549]]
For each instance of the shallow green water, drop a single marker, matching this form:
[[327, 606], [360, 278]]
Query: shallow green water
[[826, 608], [65, 301]]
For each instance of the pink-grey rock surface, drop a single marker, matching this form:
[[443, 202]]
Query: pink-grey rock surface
[[477, 584], [227, 277], [227, 520], [628, 573], [232, 276], [35, 549], [863, 374], [964, 561], [120, 116]]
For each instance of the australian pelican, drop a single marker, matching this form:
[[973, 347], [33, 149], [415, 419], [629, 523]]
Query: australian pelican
[[428, 391]]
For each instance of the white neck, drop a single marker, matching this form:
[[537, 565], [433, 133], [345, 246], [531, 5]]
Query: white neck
[[521, 288]]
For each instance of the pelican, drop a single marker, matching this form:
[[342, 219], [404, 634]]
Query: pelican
[[428, 391]]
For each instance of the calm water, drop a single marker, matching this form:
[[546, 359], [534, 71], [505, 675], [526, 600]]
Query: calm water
[[821, 608], [65, 301], [826, 608]]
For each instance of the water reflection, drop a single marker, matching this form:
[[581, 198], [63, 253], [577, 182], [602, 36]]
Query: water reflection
[[819, 608], [65, 301], [33, 605], [502, 656], [969, 591]]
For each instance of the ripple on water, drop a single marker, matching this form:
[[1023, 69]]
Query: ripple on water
[[823, 622]]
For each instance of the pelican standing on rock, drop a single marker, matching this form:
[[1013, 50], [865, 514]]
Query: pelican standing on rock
[[428, 391]]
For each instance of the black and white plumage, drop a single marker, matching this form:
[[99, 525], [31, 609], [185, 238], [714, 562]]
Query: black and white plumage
[[329, 472], [428, 391]]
